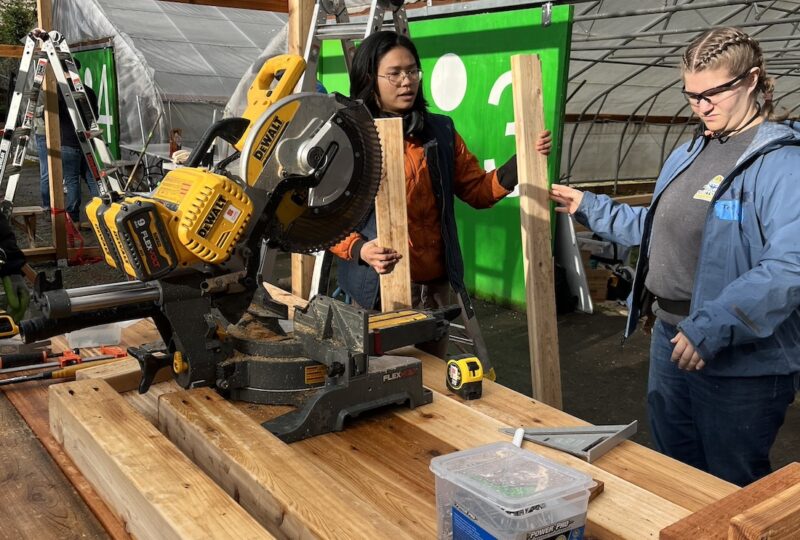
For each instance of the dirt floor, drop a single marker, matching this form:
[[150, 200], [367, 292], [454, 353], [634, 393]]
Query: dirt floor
[[603, 382]]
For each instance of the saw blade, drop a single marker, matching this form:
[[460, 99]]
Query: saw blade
[[320, 226]]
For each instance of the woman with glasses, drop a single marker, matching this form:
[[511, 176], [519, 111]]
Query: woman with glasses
[[719, 265], [386, 75]]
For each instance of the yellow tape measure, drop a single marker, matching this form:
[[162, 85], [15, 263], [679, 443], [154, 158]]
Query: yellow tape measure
[[465, 376]]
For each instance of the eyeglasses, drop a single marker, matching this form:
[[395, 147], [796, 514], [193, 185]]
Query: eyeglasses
[[706, 95], [396, 77]]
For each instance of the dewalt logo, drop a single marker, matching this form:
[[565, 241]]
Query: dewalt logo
[[211, 218], [271, 136]]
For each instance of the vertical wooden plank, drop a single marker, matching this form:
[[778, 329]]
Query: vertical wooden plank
[[44, 10], [391, 216], [534, 206], [299, 22]]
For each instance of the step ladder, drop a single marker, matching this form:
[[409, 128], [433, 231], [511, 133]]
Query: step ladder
[[345, 31], [40, 51]]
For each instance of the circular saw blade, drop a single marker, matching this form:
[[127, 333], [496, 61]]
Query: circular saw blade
[[319, 227]]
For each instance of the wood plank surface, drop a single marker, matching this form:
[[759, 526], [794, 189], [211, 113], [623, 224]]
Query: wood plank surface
[[391, 216], [30, 400], [674, 481], [447, 424], [38, 501], [534, 206], [150, 483], [713, 521], [282, 490], [777, 518]]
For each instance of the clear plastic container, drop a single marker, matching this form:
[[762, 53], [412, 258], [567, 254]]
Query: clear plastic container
[[501, 491], [95, 336]]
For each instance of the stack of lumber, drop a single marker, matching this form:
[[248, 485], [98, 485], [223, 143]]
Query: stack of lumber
[[182, 458]]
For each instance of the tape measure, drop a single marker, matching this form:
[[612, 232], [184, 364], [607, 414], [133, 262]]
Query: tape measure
[[465, 376]]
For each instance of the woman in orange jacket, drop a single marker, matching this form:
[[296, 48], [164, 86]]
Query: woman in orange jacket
[[386, 74]]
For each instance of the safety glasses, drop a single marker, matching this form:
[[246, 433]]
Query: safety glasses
[[708, 95]]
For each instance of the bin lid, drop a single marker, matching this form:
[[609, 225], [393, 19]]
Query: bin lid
[[509, 477]]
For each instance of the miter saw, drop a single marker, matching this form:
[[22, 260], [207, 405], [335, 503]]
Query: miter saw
[[309, 169]]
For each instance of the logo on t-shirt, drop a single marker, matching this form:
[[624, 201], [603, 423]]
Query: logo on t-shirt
[[706, 193]]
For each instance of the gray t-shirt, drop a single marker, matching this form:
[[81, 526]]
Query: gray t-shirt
[[680, 218]]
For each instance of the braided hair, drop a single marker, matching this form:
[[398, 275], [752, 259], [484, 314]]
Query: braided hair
[[734, 50]]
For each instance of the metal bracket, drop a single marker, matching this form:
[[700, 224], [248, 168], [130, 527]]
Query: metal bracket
[[547, 13]]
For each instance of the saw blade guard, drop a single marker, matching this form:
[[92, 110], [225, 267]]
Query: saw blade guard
[[314, 160]]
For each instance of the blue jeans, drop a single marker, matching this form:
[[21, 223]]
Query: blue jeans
[[44, 184], [721, 425], [74, 168]]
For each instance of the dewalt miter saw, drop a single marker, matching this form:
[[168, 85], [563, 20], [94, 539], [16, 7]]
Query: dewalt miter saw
[[309, 169]]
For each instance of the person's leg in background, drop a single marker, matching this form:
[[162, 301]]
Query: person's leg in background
[[71, 159], [44, 178], [738, 419], [669, 403]]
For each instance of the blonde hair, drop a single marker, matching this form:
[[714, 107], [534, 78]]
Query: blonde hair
[[734, 50]]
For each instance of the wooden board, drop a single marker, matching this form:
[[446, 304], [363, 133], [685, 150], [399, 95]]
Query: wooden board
[[282, 490], [30, 400], [713, 521], [534, 206], [363, 462], [777, 518], [150, 483], [391, 216], [35, 488]]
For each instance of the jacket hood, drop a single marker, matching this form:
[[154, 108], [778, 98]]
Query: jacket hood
[[769, 135]]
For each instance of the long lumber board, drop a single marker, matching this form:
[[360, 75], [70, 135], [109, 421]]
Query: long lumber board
[[624, 510], [713, 522], [280, 488], [156, 490], [674, 481]]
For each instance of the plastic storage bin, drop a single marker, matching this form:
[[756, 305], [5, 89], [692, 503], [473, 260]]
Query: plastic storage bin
[[503, 492]]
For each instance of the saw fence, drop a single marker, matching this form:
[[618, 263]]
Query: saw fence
[[188, 464]]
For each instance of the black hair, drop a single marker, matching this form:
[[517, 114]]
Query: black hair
[[364, 69]]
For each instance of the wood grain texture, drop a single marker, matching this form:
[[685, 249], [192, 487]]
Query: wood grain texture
[[300, 12], [391, 216], [280, 488], [534, 206], [777, 518], [158, 492], [302, 274], [38, 500], [713, 521], [30, 400], [654, 472], [664, 476]]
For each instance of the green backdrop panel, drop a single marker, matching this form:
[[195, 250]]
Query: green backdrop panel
[[467, 75], [98, 71]]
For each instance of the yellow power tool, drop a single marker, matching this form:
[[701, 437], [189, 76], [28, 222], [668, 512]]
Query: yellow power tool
[[309, 170]]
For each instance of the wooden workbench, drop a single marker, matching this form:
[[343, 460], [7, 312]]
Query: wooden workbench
[[372, 477]]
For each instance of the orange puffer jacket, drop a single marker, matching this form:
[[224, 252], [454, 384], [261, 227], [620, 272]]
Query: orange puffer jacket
[[472, 184]]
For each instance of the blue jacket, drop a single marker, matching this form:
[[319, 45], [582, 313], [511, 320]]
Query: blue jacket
[[744, 318]]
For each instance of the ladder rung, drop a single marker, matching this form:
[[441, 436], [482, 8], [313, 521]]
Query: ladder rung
[[346, 30], [21, 131]]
